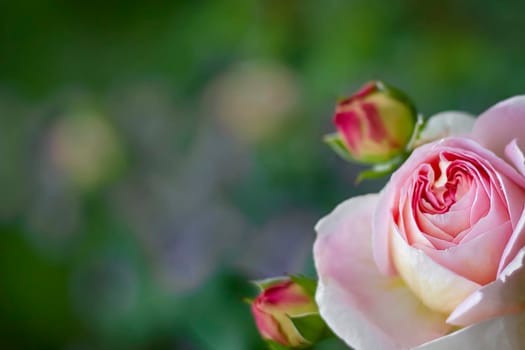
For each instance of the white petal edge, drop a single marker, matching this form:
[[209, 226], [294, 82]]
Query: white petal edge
[[504, 296], [516, 156], [502, 333], [444, 124], [500, 124]]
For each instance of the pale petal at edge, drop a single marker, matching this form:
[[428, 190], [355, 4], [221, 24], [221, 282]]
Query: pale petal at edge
[[367, 309], [477, 260], [503, 296], [497, 126], [444, 124], [503, 333], [516, 156], [514, 245]]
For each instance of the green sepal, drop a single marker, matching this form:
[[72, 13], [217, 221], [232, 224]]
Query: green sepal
[[311, 327], [308, 284], [383, 169], [337, 144], [269, 282], [421, 124]]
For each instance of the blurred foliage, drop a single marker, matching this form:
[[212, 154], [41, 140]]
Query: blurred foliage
[[156, 155]]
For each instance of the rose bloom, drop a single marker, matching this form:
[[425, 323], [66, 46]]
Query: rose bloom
[[436, 260]]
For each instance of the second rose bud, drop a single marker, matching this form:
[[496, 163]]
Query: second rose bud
[[375, 125], [286, 314]]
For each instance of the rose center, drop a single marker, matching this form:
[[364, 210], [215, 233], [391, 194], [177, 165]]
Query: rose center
[[439, 188]]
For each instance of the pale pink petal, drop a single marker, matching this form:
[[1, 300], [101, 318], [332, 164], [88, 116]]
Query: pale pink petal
[[477, 260], [516, 156], [440, 244], [497, 215], [503, 333], [362, 306], [489, 158], [445, 124], [502, 123], [380, 229], [503, 296], [515, 196], [437, 287], [515, 243]]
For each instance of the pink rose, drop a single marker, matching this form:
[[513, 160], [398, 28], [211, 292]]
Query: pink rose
[[437, 259]]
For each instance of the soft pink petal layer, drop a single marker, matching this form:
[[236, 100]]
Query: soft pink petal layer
[[477, 259], [436, 286], [503, 333], [502, 123], [444, 124], [503, 296], [362, 306], [516, 156], [515, 243]]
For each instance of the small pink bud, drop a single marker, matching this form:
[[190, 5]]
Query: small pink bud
[[274, 308], [375, 125]]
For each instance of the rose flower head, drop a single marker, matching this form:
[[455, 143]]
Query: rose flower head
[[285, 312], [375, 125], [436, 260]]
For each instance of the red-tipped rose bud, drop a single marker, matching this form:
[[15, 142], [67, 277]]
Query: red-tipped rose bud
[[375, 125], [285, 304]]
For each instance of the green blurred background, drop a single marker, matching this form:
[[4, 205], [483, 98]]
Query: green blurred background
[[156, 155]]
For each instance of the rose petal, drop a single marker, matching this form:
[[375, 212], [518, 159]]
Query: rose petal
[[477, 260], [444, 124], [502, 123], [516, 156], [503, 296], [515, 243], [437, 287], [365, 308], [503, 333]]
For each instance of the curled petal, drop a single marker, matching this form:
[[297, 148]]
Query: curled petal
[[503, 296], [445, 124], [465, 260], [515, 243], [438, 288], [516, 156], [353, 295], [503, 333], [502, 123]]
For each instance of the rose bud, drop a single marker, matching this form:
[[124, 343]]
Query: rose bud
[[375, 125], [285, 312]]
